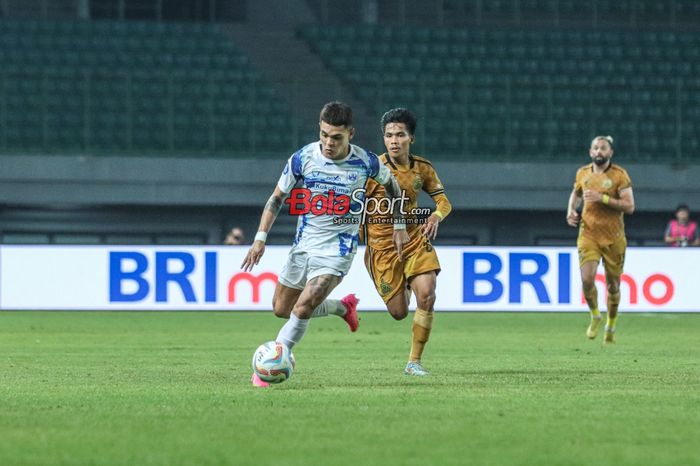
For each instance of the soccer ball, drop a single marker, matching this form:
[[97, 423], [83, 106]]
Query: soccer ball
[[273, 362]]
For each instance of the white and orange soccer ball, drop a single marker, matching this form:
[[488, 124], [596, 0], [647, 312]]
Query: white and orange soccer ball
[[273, 362]]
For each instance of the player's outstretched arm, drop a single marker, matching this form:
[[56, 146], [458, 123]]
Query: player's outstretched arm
[[393, 192], [269, 215], [572, 215]]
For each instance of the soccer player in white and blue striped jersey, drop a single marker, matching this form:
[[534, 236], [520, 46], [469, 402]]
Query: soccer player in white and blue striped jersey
[[329, 170]]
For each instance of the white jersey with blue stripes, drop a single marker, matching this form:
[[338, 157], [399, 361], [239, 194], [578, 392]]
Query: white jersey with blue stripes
[[323, 234]]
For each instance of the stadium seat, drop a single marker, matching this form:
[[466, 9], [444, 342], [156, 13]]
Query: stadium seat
[[126, 76], [569, 81]]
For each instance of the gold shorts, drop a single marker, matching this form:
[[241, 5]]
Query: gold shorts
[[392, 276], [613, 255]]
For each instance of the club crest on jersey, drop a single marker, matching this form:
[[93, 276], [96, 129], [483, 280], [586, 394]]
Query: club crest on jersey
[[607, 183], [417, 183], [352, 177]]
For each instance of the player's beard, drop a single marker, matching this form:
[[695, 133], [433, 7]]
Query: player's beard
[[600, 160]]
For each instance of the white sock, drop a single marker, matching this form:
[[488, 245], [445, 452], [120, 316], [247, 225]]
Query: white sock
[[329, 306], [292, 331]]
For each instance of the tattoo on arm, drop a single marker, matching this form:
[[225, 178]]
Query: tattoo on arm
[[274, 204], [270, 212]]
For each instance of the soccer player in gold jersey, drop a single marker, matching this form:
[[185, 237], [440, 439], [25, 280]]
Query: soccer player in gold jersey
[[606, 193], [415, 269]]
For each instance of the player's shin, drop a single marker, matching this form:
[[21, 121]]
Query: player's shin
[[613, 305], [422, 324], [591, 296], [292, 331]]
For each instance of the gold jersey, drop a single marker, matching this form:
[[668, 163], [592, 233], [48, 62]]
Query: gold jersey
[[599, 222], [418, 175]]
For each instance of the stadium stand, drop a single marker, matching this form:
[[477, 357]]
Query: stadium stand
[[147, 131], [519, 94], [133, 88]]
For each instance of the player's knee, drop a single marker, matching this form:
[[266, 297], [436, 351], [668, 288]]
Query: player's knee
[[399, 313], [278, 310], [613, 288], [426, 301], [588, 283], [304, 306], [281, 312]]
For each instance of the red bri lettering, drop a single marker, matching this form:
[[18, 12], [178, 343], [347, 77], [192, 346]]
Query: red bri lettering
[[254, 280], [646, 289], [624, 278]]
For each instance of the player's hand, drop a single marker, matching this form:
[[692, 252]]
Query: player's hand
[[400, 239], [430, 227], [572, 218], [592, 196], [254, 255]]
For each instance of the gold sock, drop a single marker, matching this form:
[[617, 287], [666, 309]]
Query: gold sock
[[613, 305], [422, 324], [592, 300]]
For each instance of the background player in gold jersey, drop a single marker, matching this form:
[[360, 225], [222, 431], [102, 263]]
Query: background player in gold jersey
[[416, 268], [606, 192]]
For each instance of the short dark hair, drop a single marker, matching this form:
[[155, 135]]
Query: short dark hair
[[400, 115], [683, 207], [337, 114]]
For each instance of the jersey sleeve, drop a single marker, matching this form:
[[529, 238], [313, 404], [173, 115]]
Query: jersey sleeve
[[625, 181], [291, 173], [432, 184]]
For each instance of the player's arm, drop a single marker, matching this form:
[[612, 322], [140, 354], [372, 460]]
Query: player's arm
[[624, 204], [370, 191], [443, 207], [572, 216], [269, 215], [393, 192], [291, 174], [382, 175], [436, 190]]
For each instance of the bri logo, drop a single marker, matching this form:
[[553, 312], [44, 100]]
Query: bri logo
[[131, 281], [517, 277], [484, 281]]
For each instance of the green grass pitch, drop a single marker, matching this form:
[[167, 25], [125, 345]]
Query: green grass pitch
[[104, 388]]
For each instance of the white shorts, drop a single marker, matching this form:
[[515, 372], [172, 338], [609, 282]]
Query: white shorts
[[302, 267]]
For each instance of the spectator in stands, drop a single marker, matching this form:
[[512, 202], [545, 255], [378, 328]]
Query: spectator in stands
[[682, 232], [235, 236]]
